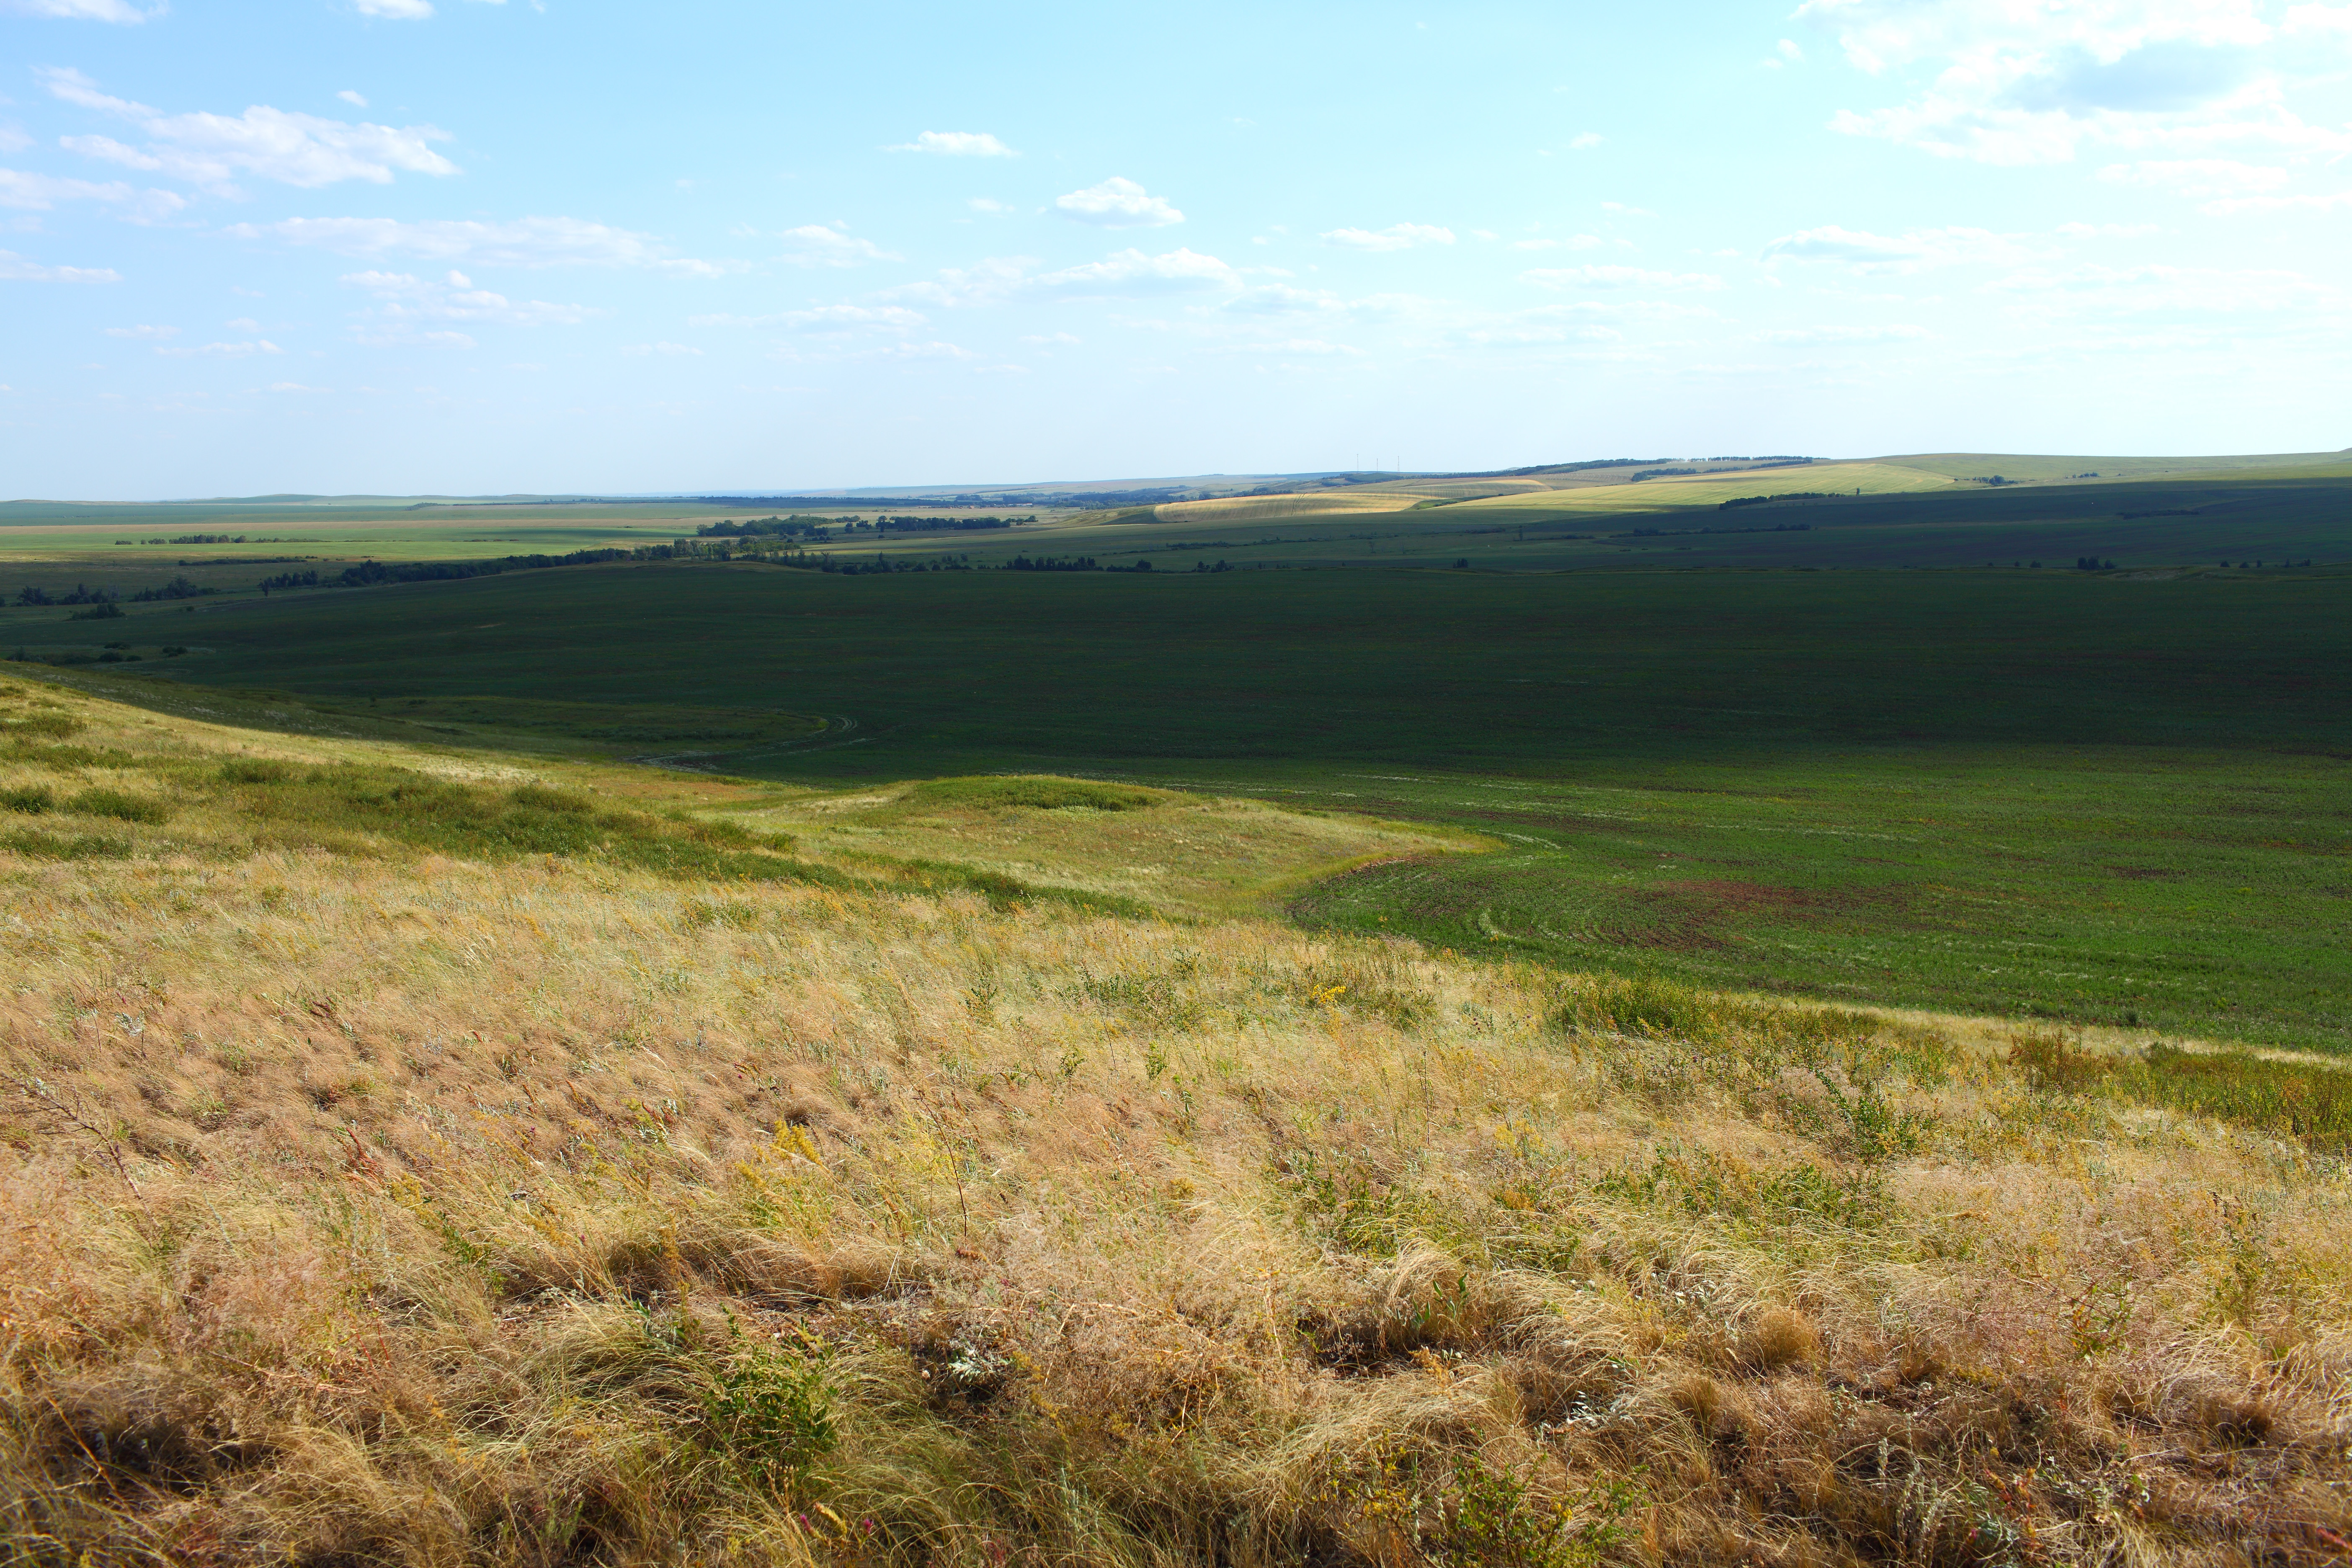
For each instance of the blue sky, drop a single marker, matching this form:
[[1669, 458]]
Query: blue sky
[[460, 246]]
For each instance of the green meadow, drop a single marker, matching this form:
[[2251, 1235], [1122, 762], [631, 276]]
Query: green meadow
[[2119, 798]]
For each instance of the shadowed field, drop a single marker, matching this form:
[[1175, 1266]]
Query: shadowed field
[[2088, 797]]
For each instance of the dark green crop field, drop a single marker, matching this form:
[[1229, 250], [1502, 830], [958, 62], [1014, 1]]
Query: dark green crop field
[[2111, 797]]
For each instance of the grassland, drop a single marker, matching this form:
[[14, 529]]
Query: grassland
[[429, 1155], [2103, 798]]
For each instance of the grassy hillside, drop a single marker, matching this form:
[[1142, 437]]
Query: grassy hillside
[[418, 1157]]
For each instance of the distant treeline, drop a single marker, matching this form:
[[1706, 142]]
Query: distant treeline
[[28, 595], [177, 588], [374, 573], [1066, 563], [1678, 532], [215, 539], [1760, 501], [797, 526]]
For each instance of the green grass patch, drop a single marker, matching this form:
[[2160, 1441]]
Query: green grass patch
[[1033, 793], [47, 726], [2299, 1100], [333, 804], [1702, 1184], [40, 846], [114, 804]]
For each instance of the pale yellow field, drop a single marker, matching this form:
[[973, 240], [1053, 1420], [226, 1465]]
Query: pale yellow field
[[1258, 508], [1713, 489]]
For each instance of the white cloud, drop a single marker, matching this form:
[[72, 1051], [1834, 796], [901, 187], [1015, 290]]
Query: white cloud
[[2197, 177], [1584, 142], [1117, 203], [1130, 274], [403, 299], [1621, 210], [242, 325], [816, 245], [297, 386], [394, 10], [150, 334], [211, 150], [1052, 337], [989, 205], [39, 193], [351, 98], [1573, 242], [78, 10], [1910, 251], [1396, 236], [1807, 335], [2280, 203], [244, 350], [2030, 81], [2197, 290], [956, 144], [525, 242], [2304, 20], [1549, 325], [667, 349], [1315, 346], [14, 268], [826, 318], [1605, 277], [2108, 230], [1280, 300], [990, 282]]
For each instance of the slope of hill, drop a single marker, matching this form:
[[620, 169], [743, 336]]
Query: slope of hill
[[420, 1158]]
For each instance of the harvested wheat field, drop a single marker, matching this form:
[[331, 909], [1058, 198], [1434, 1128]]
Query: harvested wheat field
[[410, 1164]]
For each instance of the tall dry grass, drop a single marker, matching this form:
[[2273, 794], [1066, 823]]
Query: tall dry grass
[[365, 1209]]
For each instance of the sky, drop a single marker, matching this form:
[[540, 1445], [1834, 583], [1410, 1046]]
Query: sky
[[503, 245]]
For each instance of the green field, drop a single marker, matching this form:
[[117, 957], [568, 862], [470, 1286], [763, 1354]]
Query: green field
[[2112, 797], [1914, 513]]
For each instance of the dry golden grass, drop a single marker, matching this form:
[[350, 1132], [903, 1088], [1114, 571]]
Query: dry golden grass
[[1260, 509], [372, 1207]]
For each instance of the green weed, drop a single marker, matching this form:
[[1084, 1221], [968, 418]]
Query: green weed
[[769, 1415]]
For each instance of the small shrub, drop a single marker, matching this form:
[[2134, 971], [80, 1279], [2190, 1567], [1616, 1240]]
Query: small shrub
[[2053, 1063], [254, 771], [32, 799], [733, 913], [1645, 1005], [769, 1415]]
